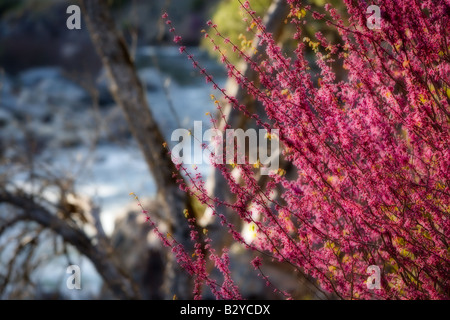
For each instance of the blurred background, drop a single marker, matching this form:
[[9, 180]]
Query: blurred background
[[68, 159]]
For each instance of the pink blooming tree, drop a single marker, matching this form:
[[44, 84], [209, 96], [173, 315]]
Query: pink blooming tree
[[370, 153]]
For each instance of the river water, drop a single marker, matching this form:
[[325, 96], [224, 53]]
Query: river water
[[59, 114]]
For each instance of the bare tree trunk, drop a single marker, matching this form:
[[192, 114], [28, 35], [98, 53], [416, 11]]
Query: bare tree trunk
[[120, 284], [128, 92]]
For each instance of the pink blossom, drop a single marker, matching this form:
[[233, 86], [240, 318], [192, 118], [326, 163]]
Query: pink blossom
[[177, 39], [368, 149], [256, 262]]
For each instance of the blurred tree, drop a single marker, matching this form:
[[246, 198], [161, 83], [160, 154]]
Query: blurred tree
[[231, 23], [128, 92], [59, 218]]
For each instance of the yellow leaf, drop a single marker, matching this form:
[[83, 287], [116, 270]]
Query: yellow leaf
[[301, 13], [422, 98], [408, 33]]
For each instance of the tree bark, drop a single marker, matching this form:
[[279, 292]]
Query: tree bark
[[129, 94], [119, 283]]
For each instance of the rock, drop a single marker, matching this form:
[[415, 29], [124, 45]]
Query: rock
[[151, 79], [115, 126], [105, 99], [32, 77], [25, 110], [7, 99], [62, 92], [47, 86], [140, 253], [5, 118], [5, 84]]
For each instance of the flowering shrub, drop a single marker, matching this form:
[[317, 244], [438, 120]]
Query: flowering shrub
[[371, 152]]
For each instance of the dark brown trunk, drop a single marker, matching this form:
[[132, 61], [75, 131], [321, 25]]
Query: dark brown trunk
[[129, 94]]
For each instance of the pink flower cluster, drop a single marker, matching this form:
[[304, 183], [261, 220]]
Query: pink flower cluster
[[370, 150]]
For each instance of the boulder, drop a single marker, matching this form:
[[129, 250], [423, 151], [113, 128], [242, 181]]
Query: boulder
[[140, 253], [47, 86]]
